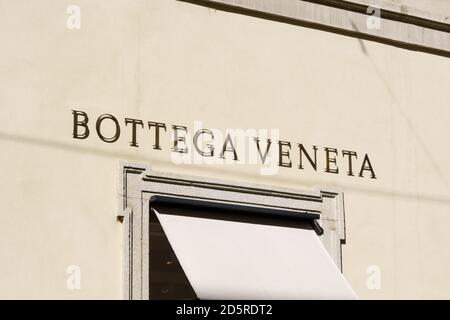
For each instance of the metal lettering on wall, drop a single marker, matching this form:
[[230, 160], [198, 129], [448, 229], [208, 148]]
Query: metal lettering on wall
[[228, 149]]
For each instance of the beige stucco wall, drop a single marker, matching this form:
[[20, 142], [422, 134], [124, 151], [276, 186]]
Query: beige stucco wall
[[177, 63]]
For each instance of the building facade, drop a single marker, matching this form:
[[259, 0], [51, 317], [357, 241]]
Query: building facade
[[338, 109]]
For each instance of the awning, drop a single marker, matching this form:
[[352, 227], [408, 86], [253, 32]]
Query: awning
[[226, 259]]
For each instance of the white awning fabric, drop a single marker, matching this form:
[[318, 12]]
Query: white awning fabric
[[236, 260]]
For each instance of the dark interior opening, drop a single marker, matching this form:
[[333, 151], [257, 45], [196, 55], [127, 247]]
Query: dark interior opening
[[167, 278]]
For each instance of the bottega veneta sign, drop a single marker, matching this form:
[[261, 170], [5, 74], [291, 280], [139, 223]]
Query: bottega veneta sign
[[335, 161]]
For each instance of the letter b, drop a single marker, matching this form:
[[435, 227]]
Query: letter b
[[80, 123]]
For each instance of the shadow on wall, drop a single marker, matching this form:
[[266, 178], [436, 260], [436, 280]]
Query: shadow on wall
[[402, 113], [348, 33], [212, 171]]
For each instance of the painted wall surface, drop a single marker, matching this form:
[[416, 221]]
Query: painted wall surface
[[178, 63]]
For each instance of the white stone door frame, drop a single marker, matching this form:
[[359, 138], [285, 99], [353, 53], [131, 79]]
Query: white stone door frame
[[138, 183]]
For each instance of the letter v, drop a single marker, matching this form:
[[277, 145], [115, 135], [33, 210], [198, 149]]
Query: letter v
[[263, 157]]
